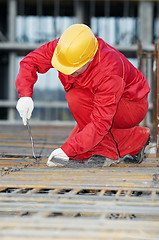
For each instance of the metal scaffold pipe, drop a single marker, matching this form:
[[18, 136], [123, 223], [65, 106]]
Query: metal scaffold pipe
[[12, 11], [157, 154]]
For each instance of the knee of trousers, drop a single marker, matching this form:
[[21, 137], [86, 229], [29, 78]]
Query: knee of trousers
[[79, 98]]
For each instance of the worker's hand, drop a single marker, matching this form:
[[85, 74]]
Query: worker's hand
[[57, 154], [25, 107]]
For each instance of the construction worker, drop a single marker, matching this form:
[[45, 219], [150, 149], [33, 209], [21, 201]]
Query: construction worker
[[106, 95]]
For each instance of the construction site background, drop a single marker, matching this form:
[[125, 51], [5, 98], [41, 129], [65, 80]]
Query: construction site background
[[129, 26]]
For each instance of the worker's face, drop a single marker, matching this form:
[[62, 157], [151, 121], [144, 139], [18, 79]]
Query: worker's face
[[80, 70]]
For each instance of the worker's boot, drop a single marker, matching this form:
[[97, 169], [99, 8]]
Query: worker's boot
[[100, 161], [138, 158]]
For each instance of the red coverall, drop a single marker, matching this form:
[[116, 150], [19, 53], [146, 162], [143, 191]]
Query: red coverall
[[108, 101]]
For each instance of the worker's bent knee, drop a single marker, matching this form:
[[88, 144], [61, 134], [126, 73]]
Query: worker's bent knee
[[79, 98]]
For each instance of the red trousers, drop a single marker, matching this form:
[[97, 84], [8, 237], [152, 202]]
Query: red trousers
[[124, 137]]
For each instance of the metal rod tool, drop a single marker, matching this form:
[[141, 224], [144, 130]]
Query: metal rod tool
[[32, 141]]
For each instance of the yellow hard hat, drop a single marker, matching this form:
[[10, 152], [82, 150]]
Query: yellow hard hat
[[75, 48]]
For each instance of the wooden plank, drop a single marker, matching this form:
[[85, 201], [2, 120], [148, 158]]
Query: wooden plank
[[44, 177], [78, 229], [87, 208]]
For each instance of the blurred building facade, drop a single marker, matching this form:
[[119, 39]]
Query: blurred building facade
[[27, 24]]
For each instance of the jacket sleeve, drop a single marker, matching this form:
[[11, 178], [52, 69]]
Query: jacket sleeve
[[106, 99], [36, 61]]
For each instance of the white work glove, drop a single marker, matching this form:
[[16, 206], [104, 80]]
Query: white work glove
[[25, 106], [57, 154]]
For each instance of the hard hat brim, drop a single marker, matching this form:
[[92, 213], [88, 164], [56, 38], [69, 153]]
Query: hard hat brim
[[68, 69], [56, 63]]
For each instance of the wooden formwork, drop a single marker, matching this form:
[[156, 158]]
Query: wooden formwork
[[37, 202]]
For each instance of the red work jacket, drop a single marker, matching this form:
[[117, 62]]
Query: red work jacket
[[110, 77]]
